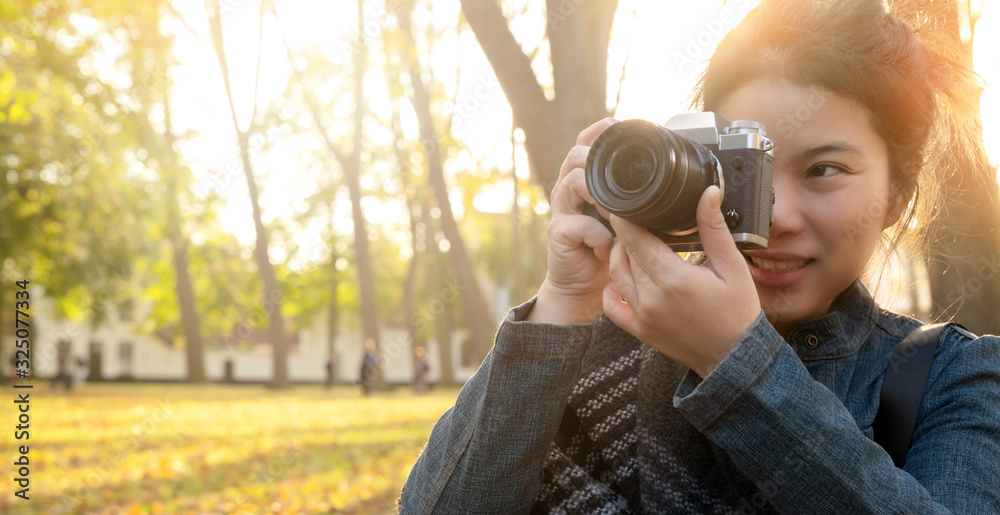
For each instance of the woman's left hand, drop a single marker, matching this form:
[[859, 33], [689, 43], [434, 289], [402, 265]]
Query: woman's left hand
[[693, 314]]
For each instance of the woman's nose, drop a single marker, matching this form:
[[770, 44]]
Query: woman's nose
[[788, 216]]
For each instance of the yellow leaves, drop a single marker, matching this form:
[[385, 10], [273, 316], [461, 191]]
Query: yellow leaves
[[166, 467], [25, 210], [17, 113], [222, 449], [52, 227], [339, 500], [7, 80]]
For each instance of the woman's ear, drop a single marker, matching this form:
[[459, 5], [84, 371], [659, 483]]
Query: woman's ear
[[897, 203]]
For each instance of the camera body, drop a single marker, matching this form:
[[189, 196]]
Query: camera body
[[655, 175]]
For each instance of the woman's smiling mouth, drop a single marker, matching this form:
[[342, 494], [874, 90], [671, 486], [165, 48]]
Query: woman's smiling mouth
[[778, 266], [778, 269]]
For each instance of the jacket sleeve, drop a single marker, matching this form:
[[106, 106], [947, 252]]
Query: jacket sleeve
[[485, 454], [802, 448]]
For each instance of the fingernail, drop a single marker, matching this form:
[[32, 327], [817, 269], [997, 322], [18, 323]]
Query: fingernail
[[716, 197]]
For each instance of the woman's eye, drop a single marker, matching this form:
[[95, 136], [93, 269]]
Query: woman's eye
[[824, 170]]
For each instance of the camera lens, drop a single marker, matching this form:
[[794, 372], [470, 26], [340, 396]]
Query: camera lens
[[631, 167], [650, 175]]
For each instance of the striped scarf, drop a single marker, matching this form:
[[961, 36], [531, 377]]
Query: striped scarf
[[623, 448]]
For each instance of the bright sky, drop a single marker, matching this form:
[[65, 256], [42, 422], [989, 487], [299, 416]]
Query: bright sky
[[667, 42]]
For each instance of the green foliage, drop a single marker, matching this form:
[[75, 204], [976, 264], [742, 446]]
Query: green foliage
[[70, 159], [90, 177]]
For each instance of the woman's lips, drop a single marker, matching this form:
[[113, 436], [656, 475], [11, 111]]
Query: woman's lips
[[776, 266], [778, 272]]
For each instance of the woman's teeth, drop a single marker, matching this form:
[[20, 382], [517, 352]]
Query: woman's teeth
[[777, 266]]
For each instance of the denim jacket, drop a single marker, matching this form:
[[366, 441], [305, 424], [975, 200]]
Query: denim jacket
[[792, 415]]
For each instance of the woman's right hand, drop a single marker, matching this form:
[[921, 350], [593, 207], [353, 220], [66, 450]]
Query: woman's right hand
[[579, 246]]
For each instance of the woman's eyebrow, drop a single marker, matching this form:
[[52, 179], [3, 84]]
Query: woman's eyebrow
[[837, 146]]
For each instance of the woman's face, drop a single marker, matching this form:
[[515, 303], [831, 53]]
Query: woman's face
[[831, 196]]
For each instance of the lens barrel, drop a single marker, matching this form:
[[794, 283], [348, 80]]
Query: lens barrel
[[650, 175]]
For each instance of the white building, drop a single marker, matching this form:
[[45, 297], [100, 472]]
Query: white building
[[114, 350]]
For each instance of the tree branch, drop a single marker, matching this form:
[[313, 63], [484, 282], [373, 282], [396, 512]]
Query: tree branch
[[621, 78], [338, 154], [215, 22], [260, 44], [512, 67]]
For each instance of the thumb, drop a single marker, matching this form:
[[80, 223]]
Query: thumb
[[714, 232]]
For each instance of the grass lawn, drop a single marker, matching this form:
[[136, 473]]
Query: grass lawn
[[175, 449]]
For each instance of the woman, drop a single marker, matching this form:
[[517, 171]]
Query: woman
[[748, 384]]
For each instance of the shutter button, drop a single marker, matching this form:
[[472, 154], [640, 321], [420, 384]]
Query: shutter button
[[733, 218], [812, 341]]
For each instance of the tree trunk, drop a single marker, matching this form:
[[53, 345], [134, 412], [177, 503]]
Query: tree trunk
[[442, 321], [418, 208], [517, 292], [193, 347], [963, 279], [5, 364], [334, 313], [352, 173], [578, 34], [272, 293], [351, 165], [477, 313], [409, 304]]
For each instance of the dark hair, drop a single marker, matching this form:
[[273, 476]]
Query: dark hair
[[894, 60]]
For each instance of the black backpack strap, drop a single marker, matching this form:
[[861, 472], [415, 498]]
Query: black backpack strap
[[903, 390]]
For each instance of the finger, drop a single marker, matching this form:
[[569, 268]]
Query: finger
[[572, 193], [570, 231], [588, 135], [597, 237], [619, 311], [723, 256], [577, 185], [648, 254], [576, 158], [620, 273]]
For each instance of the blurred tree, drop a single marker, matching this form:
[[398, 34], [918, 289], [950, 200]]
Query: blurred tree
[[333, 307], [422, 228], [478, 314], [578, 36], [193, 348], [413, 195], [70, 160], [154, 93], [350, 164], [272, 291], [519, 283]]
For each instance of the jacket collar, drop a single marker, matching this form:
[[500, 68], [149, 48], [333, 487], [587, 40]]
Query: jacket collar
[[839, 332]]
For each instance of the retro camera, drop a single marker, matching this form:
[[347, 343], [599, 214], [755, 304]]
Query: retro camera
[[655, 175]]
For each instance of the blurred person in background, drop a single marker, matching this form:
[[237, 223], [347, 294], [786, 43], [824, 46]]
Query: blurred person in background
[[421, 369], [369, 367]]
